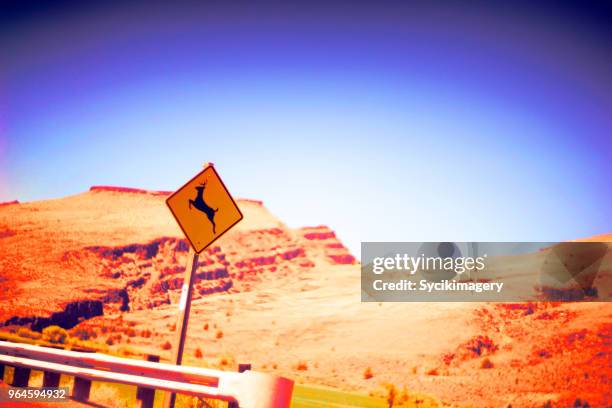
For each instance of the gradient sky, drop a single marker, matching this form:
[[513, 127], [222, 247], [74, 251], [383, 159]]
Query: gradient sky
[[386, 122]]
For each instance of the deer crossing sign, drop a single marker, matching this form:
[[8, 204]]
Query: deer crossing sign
[[204, 209]]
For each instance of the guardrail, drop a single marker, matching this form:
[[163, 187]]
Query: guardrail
[[248, 389]]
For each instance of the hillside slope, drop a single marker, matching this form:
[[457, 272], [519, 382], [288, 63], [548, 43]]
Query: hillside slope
[[109, 263]]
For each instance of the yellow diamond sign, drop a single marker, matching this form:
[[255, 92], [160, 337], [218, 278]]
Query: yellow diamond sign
[[204, 209]]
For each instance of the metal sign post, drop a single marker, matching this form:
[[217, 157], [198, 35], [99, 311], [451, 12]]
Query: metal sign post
[[183, 318]]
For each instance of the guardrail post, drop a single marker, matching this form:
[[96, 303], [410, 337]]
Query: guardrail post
[[241, 369], [21, 377], [146, 396], [81, 389], [51, 379]]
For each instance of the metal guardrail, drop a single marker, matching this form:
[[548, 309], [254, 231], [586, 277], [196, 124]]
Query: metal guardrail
[[248, 389]]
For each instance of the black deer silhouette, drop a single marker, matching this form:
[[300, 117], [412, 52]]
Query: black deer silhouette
[[199, 204]]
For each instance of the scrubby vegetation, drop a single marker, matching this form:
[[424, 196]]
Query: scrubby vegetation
[[486, 363], [28, 334], [391, 394], [55, 334], [76, 339]]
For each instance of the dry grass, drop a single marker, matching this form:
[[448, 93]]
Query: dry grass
[[108, 395]]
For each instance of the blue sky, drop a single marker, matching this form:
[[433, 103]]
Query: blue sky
[[387, 122]]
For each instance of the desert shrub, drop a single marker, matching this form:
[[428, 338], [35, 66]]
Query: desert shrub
[[130, 332], [219, 334], [166, 346], [367, 374], [578, 403], [403, 396], [302, 366], [433, 371], [81, 334], [54, 334], [448, 358], [110, 341], [145, 333], [391, 394], [198, 353], [28, 334], [481, 345], [486, 363], [205, 326], [90, 345], [544, 353]]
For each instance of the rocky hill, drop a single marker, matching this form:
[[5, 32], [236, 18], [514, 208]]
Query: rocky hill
[[118, 249], [108, 265]]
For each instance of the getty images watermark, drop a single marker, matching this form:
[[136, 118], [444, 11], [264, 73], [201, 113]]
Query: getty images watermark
[[485, 271]]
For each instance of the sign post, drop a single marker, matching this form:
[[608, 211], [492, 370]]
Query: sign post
[[183, 318], [204, 210]]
